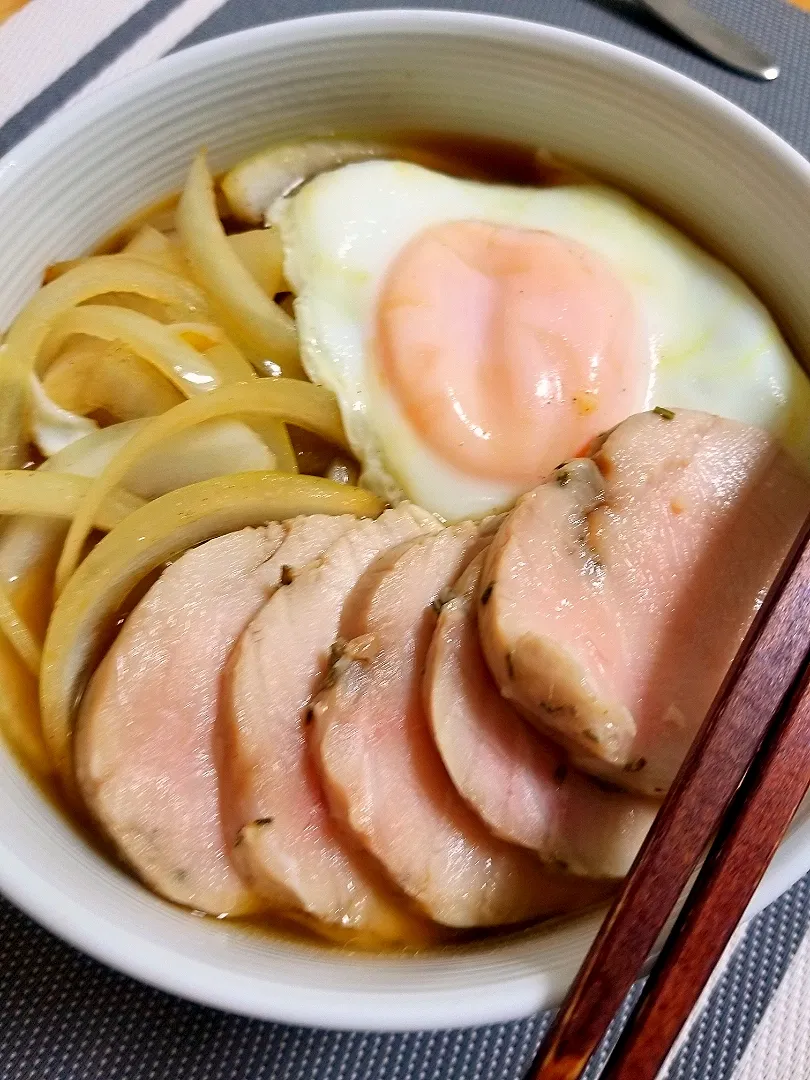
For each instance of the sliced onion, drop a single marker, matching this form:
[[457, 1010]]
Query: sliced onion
[[28, 543], [146, 242], [18, 633], [54, 428], [19, 713], [154, 246], [303, 404], [91, 375], [14, 400], [55, 270], [211, 449], [183, 365], [261, 253], [248, 314], [19, 692], [84, 618], [215, 448], [103, 274], [132, 302], [219, 350], [253, 185], [58, 495], [94, 277], [233, 367], [275, 435], [90, 455], [50, 495]]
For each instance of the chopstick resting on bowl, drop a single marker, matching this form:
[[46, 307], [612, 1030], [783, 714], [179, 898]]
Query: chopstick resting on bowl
[[742, 781]]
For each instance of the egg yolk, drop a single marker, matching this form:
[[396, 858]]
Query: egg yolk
[[507, 349]]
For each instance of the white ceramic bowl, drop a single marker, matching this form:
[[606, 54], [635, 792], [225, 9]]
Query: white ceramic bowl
[[737, 186]]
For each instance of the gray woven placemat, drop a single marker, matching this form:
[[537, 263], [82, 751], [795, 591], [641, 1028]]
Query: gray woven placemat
[[65, 1017]]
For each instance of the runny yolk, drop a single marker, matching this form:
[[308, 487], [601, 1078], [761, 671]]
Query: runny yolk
[[508, 349]]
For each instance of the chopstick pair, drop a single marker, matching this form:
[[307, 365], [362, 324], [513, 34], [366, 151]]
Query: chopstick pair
[[742, 782]]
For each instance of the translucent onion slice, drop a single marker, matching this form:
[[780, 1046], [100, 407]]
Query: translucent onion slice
[[147, 241], [183, 365], [18, 634], [50, 495], [91, 375], [104, 274], [52, 427], [85, 615], [214, 342], [215, 448], [90, 455], [253, 185], [155, 310], [233, 367], [19, 712], [274, 434], [15, 392], [55, 270], [58, 495], [246, 311], [303, 404], [19, 690], [190, 454], [94, 277], [261, 253], [148, 244], [154, 246], [30, 543]]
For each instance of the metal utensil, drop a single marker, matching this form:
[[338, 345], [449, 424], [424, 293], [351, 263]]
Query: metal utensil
[[723, 44]]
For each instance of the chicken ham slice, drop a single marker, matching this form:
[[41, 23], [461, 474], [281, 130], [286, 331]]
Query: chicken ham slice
[[615, 596], [145, 748], [515, 779], [381, 770], [285, 842]]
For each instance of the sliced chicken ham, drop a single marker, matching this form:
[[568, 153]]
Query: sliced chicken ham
[[285, 842], [615, 596], [145, 748], [518, 781], [381, 770]]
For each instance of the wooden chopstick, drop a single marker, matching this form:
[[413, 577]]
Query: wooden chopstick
[[751, 831], [764, 671]]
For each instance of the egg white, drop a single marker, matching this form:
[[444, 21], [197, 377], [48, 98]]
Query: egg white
[[712, 344]]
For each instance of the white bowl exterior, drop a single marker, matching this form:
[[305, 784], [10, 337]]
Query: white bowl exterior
[[738, 187]]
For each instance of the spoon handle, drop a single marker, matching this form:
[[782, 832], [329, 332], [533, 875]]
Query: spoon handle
[[725, 45]]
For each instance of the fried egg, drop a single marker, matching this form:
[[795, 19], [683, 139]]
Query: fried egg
[[476, 334]]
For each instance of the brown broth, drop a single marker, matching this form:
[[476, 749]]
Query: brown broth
[[160, 214], [472, 157], [486, 159]]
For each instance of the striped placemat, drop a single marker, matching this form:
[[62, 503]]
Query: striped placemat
[[65, 1017]]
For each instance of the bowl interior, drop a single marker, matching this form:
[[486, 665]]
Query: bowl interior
[[736, 186]]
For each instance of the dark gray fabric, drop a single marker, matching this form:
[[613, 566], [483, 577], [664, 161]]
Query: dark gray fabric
[[65, 1017]]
